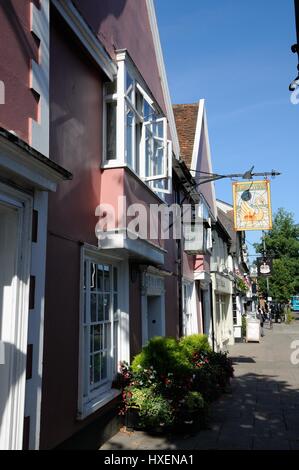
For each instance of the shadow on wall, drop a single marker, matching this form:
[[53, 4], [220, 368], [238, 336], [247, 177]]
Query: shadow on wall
[[10, 13]]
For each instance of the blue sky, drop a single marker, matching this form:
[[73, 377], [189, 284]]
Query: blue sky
[[236, 54]]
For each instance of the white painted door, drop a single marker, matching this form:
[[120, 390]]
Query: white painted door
[[13, 322], [154, 316]]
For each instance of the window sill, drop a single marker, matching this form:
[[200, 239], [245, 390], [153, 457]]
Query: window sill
[[94, 405], [116, 164]]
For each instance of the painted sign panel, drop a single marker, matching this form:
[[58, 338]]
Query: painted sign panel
[[264, 266], [252, 205]]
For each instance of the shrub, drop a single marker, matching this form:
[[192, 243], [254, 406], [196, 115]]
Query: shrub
[[154, 410], [194, 344], [205, 381], [170, 379], [194, 401], [164, 356], [223, 365], [212, 372]]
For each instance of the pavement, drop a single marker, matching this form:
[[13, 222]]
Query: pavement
[[261, 411]]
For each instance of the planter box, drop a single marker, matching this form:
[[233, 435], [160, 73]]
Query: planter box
[[132, 420]]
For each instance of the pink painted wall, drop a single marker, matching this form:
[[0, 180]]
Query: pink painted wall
[[76, 143], [188, 266], [120, 24], [202, 263], [17, 49], [75, 138]]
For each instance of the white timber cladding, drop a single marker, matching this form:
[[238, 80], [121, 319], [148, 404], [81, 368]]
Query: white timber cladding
[[39, 131], [104, 327], [15, 318], [36, 320], [202, 133]]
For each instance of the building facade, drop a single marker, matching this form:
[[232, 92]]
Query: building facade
[[96, 171]]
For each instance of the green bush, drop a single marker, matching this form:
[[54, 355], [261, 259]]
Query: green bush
[[171, 380], [205, 381], [164, 356], [194, 344], [154, 410], [194, 401]]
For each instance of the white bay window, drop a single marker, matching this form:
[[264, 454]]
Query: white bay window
[[135, 130]]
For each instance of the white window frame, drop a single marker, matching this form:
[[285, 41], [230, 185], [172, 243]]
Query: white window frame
[[125, 68], [90, 401]]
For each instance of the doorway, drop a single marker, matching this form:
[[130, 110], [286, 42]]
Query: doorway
[[14, 289], [154, 316]]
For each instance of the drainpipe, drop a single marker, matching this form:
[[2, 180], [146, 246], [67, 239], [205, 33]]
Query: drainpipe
[[180, 287], [212, 315]]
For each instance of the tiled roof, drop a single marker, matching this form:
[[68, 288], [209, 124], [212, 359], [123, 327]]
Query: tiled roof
[[186, 120]]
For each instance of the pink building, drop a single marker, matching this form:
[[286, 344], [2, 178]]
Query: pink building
[[87, 101]]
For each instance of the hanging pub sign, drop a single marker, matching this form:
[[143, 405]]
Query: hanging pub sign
[[252, 205], [264, 267]]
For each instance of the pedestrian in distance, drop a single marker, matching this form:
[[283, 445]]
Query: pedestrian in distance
[[261, 317]]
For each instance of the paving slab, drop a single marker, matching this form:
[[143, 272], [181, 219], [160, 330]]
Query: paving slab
[[260, 412]]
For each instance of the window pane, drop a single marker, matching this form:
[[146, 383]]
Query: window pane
[[148, 111], [100, 308], [106, 278], [106, 307], [158, 158], [100, 277], [129, 138], [93, 308], [98, 338], [104, 365], [159, 129], [96, 368], [139, 102], [111, 130], [148, 152], [129, 87]]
